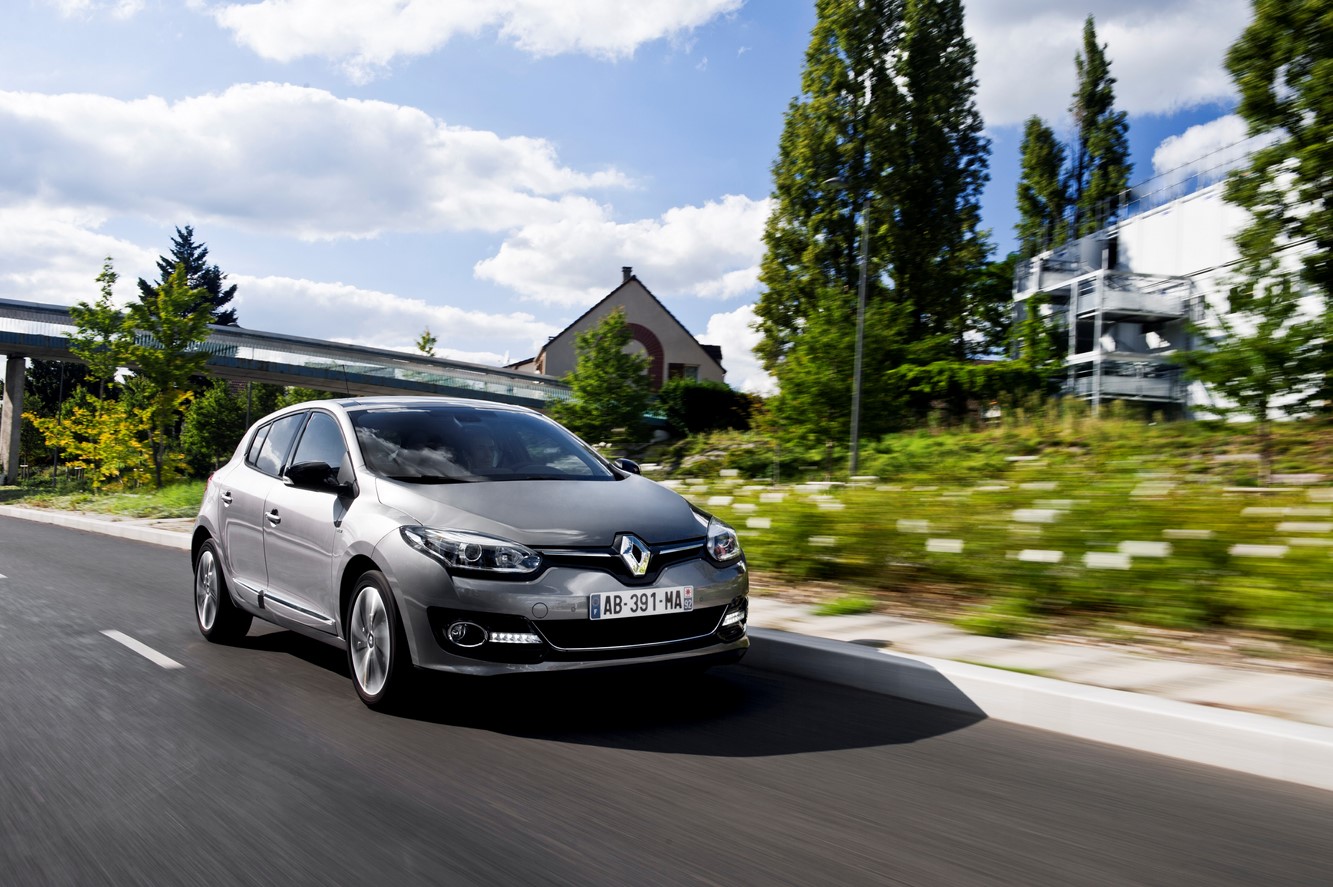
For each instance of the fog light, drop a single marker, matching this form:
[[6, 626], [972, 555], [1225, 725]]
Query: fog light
[[466, 634], [513, 637], [732, 618]]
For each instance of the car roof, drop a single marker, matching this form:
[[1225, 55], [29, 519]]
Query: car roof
[[389, 401]]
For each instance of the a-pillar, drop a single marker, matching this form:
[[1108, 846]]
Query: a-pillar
[[11, 422]]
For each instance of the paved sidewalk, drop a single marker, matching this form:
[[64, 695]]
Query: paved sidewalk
[[1292, 697], [1297, 698]]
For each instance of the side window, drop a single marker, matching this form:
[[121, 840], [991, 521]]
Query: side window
[[321, 442], [252, 454], [278, 442]]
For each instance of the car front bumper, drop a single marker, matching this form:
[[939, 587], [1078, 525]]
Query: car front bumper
[[543, 624]]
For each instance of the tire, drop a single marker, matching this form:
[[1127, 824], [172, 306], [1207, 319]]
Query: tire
[[377, 653], [216, 614]]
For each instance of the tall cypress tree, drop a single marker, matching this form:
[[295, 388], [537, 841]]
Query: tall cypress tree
[[1100, 165], [199, 275], [886, 126], [1042, 200]]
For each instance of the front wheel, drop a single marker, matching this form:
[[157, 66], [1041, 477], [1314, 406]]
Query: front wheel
[[218, 617], [376, 643]]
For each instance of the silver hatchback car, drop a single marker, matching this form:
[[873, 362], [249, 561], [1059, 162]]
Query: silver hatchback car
[[459, 536]]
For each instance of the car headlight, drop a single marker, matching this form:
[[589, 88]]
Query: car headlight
[[463, 550], [723, 546]]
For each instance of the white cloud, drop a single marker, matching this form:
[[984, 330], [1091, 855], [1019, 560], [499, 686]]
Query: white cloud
[[121, 9], [1165, 54], [284, 159], [342, 313], [55, 257], [1195, 146], [711, 251], [1200, 156], [733, 332], [367, 35]]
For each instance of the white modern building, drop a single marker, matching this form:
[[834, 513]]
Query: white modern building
[[1126, 296]]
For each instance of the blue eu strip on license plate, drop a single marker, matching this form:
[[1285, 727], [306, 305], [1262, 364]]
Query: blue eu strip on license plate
[[647, 602]]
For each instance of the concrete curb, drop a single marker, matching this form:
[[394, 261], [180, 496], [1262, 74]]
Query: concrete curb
[[1249, 743], [136, 530]]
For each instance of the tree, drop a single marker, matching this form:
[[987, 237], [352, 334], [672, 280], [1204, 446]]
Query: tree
[[1041, 190], [609, 385], [886, 131], [105, 438], [167, 331], [51, 381], [695, 406], [99, 339], [213, 426], [1282, 65], [1262, 355], [1100, 158], [426, 344], [199, 275]]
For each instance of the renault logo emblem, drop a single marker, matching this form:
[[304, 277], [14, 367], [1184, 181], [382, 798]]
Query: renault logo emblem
[[634, 553]]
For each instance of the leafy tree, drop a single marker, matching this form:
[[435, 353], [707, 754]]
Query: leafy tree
[[293, 395], [694, 406], [609, 385], [99, 338], [426, 344], [1100, 158], [885, 132], [199, 275], [1282, 65], [167, 331], [1041, 190], [1262, 355], [213, 426], [989, 309], [105, 438]]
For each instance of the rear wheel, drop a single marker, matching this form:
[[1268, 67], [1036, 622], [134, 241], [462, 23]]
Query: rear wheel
[[376, 643], [218, 617]]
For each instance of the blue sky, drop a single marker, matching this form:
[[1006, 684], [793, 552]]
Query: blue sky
[[363, 169]]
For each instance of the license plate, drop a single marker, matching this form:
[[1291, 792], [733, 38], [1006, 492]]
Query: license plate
[[648, 602]]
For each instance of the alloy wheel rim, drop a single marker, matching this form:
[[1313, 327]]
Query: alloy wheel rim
[[205, 590], [370, 641]]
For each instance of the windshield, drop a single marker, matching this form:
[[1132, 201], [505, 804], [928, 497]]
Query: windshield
[[456, 444]]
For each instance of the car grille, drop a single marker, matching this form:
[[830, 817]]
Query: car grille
[[602, 634], [607, 561]]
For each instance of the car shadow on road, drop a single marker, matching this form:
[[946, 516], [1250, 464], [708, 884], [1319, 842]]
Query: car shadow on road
[[729, 711]]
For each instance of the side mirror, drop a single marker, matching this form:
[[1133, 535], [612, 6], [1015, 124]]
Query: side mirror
[[320, 476], [627, 465]]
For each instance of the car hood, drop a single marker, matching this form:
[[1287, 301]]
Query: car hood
[[550, 513]]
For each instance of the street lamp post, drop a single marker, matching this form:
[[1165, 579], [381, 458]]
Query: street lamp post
[[860, 337], [860, 327]]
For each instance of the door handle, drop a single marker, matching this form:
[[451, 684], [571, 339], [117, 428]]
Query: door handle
[[226, 497], [273, 517]]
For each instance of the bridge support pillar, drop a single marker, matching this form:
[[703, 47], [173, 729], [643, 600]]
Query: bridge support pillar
[[11, 418]]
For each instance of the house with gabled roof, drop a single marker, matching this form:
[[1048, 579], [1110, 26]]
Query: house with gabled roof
[[672, 351]]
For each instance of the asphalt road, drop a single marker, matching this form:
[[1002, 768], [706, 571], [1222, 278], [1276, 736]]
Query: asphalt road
[[257, 764]]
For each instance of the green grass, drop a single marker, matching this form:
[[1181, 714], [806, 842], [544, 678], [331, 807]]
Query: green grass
[[847, 605], [1072, 485], [176, 500]]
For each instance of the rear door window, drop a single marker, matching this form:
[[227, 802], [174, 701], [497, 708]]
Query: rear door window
[[277, 442]]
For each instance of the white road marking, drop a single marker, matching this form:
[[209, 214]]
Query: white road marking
[[142, 649]]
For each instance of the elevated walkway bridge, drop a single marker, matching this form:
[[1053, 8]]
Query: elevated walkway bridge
[[42, 331]]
